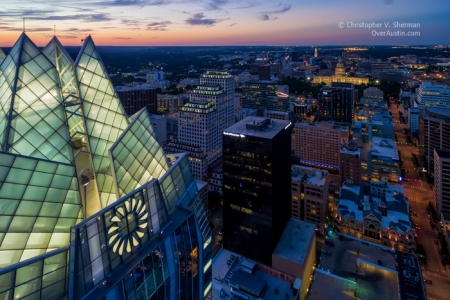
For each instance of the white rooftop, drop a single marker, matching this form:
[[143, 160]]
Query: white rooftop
[[295, 241], [384, 147], [270, 131]]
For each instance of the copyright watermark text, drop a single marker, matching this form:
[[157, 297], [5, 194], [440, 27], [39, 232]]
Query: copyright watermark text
[[383, 28]]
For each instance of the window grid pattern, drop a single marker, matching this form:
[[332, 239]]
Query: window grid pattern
[[2, 56], [40, 201], [41, 279], [177, 181], [37, 126], [137, 156], [104, 115], [56, 53], [8, 72]]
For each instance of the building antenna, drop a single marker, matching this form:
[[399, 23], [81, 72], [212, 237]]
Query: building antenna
[[24, 24]]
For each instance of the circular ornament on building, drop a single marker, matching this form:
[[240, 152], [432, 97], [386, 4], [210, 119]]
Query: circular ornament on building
[[130, 222]]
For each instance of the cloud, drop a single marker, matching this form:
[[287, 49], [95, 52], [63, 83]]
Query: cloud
[[216, 4], [232, 24], [122, 38], [131, 23], [38, 29], [20, 12], [269, 15], [76, 29], [388, 2], [132, 2], [161, 26], [199, 20], [81, 17]]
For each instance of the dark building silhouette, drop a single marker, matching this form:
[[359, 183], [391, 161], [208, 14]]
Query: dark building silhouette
[[256, 181], [135, 98], [336, 103], [263, 95], [264, 72]]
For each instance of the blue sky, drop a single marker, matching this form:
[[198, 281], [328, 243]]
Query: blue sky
[[223, 22]]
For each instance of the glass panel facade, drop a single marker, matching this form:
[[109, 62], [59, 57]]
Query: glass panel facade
[[35, 119], [2, 56], [137, 155], [40, 278], [104, 115], [35, 211], [65, 141]]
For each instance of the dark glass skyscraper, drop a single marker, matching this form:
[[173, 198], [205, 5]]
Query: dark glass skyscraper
[[256, 180], [336, 103], [262, 95]]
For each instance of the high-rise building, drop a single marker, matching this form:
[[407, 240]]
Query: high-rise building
[[263, 95], [442, 185], [2, 56], [316, 52], [429, 95], [350, 167], [434, 133], [198, 129], [319, 145], [309, 194], [256, 185], [336, 103], [91, 207], [135, 98], [264, 72], [225, 108]]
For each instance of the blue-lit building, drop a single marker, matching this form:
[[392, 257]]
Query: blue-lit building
[[90, 205]]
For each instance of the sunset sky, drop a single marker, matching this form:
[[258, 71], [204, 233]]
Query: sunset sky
[[222, 22]]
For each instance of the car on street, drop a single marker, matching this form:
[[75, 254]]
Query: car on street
[[326, 252], [428, 281], [417, 226]]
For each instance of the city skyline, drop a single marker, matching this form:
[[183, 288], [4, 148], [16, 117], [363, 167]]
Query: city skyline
[[225, 22]]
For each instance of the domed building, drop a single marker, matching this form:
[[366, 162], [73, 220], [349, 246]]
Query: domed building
[[340, 76]]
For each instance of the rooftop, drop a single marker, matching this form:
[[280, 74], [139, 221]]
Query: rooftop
[[295, 241], [270, 131], [384, 147], [336, 287], [309, 175], [133, 88], [277, 289], [374, 281], [409, 277]]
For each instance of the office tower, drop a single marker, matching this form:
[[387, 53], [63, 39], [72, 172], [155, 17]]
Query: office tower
[[256, 181], [434, 129], [225, 108], [336, 103], [442, 185], [319, 145], [377, 212], [429, 95], [264, 72], [134, 99], [264, 95], [315, 52], [309, 194], [155, 76], [350, 167], [198, 130], [92, 208]]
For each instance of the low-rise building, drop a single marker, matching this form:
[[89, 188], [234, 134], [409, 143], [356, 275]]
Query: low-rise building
[[295, 253], [377, 212], [383, 160]]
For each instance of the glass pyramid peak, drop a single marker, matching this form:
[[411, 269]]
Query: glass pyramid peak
[[2, 56], [35, 122], [65, 146]]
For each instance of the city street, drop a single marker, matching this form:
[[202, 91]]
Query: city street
[[419, 194]]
